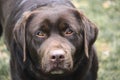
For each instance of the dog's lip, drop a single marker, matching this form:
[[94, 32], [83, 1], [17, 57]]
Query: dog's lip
[[58, 71]]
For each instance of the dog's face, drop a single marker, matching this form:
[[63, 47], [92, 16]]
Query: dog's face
[[55, 38]]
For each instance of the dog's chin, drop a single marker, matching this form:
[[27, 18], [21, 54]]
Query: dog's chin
[[58, 71]]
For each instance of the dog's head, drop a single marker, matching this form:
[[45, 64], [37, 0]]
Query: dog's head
[[56, 38]]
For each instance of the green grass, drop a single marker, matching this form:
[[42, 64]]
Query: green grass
[[106, 15], [4, 62]]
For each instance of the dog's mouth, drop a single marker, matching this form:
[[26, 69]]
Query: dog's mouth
[[57, 63], [57, 71]]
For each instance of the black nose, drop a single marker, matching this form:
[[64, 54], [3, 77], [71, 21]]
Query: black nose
[[57, 55]]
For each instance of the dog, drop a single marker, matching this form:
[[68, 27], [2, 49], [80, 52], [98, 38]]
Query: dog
[[48, 40]]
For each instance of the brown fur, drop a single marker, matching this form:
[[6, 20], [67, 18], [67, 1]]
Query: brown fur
[[48, 41]]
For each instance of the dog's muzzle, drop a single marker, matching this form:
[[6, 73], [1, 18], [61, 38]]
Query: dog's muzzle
[[56, 56]]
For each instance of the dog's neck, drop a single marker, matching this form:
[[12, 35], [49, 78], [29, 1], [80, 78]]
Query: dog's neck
[[33, 4]]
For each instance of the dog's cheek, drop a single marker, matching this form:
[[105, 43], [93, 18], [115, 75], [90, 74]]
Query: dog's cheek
[[32, 48], [76, 40], [45, 63], [78, 43]]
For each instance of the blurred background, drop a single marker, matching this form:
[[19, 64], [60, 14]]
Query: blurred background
[[106, 15]]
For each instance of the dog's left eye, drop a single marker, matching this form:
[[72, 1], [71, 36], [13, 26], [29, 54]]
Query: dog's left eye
[[40, 34], [68, 32]]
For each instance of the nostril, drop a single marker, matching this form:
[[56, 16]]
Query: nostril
[[57, 58], [53, 57], [57, 55], [61, 57]]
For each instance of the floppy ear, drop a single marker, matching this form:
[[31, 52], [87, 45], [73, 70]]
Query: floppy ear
[[20, 31], [90, 31]]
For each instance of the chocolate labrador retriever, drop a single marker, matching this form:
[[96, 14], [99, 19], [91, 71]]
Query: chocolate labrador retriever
[[48, 40]]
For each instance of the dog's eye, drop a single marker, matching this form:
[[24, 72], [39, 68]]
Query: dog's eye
[[40, 34], [68, 32]]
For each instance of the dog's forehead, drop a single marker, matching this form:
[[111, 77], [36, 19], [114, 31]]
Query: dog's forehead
[[53, 14]]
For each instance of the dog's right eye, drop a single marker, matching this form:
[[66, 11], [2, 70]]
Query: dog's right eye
[[40, 34]]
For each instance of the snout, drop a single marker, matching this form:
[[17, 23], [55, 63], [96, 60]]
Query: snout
[[56, 56], [57, 61]]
